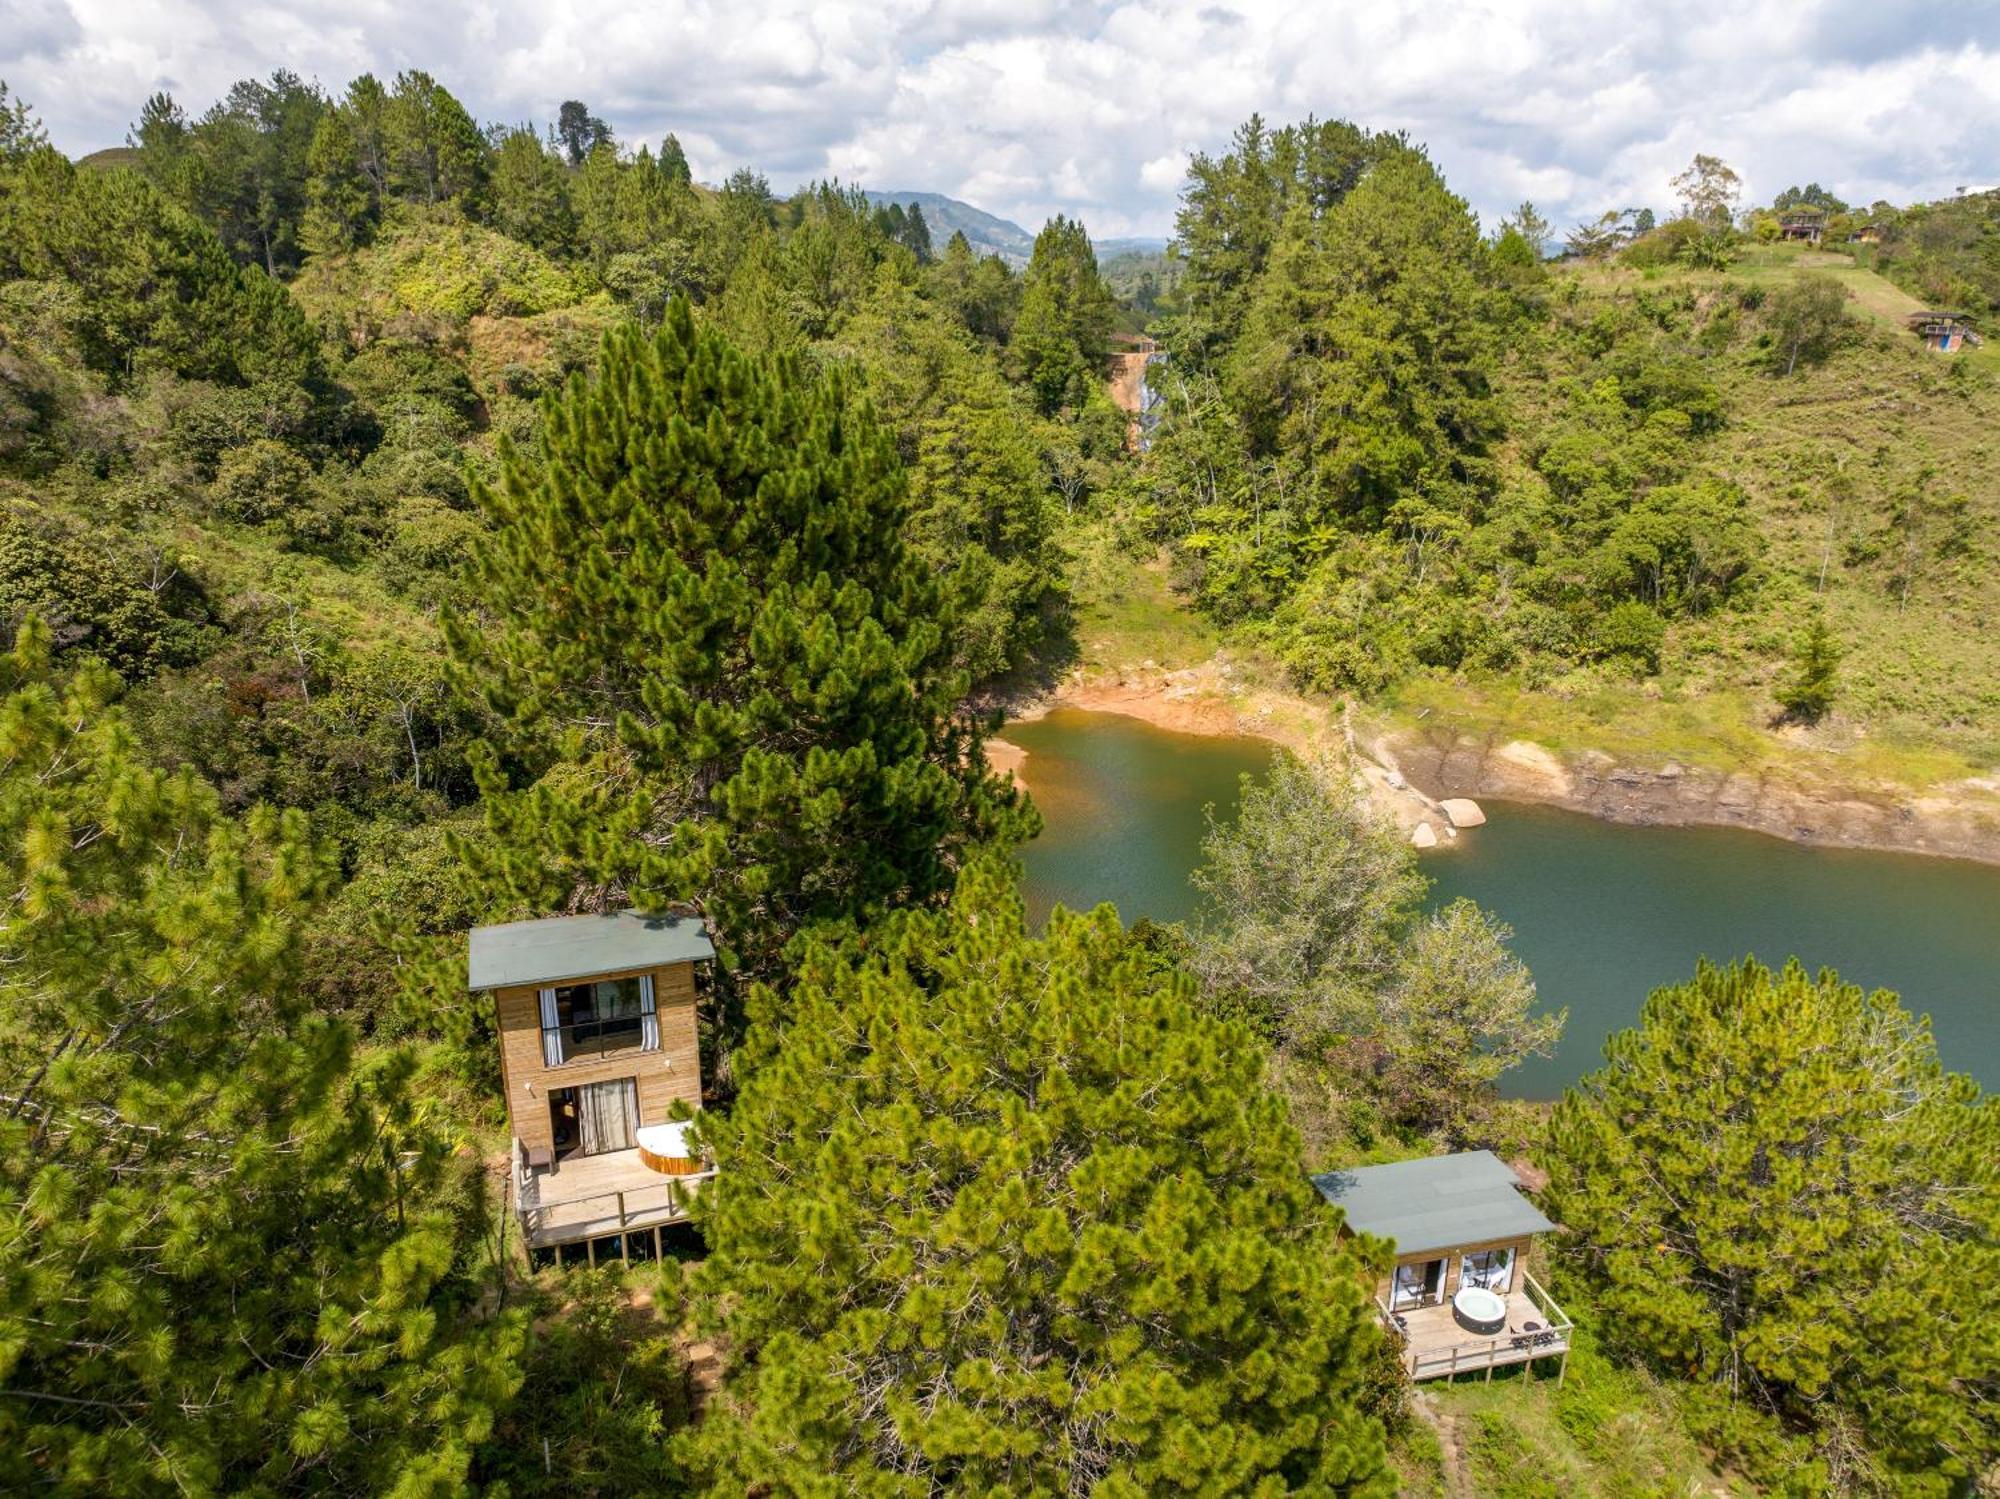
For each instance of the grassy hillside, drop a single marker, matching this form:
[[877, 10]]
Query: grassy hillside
[[1873, 481]]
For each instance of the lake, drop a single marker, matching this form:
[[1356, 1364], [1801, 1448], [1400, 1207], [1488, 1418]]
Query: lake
[[1602, 912]]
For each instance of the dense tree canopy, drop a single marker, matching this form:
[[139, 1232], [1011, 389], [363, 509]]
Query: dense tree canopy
[[232, 1256], [725, 679], [1778, 1190], [1007, 1214]]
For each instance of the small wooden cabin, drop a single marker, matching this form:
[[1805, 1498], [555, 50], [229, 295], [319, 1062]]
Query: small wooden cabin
[[1806, 224], [1946, 332], [1457, 1223], [598, 1052]]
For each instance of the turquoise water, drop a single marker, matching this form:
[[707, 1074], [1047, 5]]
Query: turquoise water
[[1602, 913]]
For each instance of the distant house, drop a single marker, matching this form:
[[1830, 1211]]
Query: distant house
[[1807, 224], [1458, 1297], [597, 1048], [1947, 332], [1867, 234]]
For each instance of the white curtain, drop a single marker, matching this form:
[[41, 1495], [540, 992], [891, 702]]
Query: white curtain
[[552, 1052], [609, 1113], [649, 1017]]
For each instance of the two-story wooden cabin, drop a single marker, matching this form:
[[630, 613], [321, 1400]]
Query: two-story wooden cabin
[[597, 1054], [1458, 1296]]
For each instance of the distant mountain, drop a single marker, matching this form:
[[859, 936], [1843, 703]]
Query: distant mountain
[[986, 234], [1106, 248]]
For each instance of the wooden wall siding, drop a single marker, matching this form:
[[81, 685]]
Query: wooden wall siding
[[1455, 1257], [674, 1071]]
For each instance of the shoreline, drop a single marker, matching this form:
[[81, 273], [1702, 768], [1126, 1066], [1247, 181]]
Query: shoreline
[[1407, 774]]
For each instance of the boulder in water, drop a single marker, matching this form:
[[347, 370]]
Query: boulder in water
[[1463, 812], [1424, 836]]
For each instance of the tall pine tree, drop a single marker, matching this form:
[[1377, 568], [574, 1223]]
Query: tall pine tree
[[724, 679], [1005, 1214], [1783, 1196], [233, 1258]]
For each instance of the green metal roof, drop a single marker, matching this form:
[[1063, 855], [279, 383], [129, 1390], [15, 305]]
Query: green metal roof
[[1434, 1203], [559, 948]]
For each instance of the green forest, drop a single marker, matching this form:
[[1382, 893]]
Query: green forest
[[409, 523]]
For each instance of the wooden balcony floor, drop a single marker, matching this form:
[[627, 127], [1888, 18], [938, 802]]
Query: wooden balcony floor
[[588, 1196], [1435, 1345]]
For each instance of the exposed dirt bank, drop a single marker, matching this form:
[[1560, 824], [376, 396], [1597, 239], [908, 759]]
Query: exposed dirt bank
[[1209, 699], [1407, 774], [1960, 819]]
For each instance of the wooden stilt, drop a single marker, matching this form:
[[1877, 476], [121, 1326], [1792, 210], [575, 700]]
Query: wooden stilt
[[1562, 1369], [590, 1252]]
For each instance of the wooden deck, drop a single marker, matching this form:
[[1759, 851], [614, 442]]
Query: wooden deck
[[1436, 1346], [587, 1197]]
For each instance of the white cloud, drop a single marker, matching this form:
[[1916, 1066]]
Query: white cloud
[[1031, 107]]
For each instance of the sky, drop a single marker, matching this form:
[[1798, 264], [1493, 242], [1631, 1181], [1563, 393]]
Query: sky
[[1028, 108]]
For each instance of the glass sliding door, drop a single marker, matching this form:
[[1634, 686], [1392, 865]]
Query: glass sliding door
[[608, 1114], [1491, 1268], [1419, 1284]]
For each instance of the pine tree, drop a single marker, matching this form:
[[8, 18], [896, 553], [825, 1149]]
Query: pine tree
[[1807, 694], [724, 678], [1062, 336], [233, 1256], [674, 162], [341, 202], [1002, 1214], [1778, 1191]]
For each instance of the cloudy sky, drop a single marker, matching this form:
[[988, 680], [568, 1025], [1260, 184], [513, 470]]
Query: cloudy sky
[[1032, 107]]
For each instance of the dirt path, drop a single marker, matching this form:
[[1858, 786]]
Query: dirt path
[[1457, 1471]]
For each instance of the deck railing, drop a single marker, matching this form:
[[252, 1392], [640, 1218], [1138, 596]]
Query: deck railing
[[1471, 1353], [609, 1211]]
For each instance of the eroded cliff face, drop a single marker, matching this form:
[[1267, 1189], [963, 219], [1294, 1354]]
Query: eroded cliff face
[[1960, 819]]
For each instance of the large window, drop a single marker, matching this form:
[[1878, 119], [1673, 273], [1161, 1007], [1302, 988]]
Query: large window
[[598, 1018], [1491, 1268]]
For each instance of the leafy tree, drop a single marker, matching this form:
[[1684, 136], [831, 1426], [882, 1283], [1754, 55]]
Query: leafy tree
[[579, 132], [232, 1256], [1708, 189], [724, 678], [1458, 1015], [1808, 692], [1808, 318], [1007, 1214], [1311, 897], [1316, 936], [1779, 1192], [1812, 195]]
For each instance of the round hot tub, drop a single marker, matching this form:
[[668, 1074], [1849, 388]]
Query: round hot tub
[[1479, 1310], [667, 1149]]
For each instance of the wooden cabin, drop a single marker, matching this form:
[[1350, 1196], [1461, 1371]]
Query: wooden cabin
[[1806, 224], [1946, 332], [598, 1054], [1458, 1296]]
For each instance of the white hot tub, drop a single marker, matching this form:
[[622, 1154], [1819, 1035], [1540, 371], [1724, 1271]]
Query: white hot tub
[[1479, 1310]]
